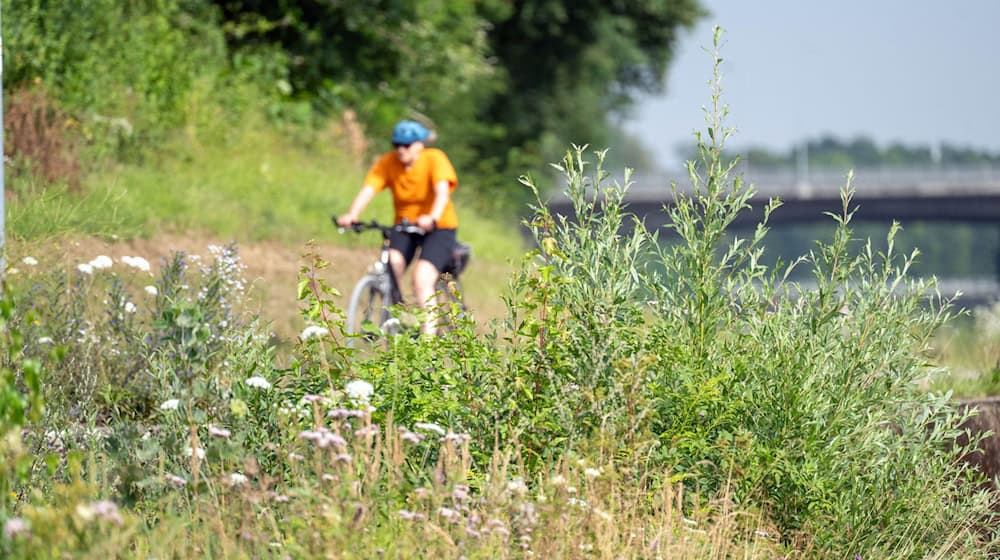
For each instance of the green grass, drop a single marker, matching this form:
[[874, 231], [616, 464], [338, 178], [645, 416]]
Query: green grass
[[260, 183]]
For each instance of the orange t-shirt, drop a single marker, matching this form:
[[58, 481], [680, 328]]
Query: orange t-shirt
[[413, 188]]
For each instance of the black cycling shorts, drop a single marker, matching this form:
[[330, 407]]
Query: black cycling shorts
[[435, 247]]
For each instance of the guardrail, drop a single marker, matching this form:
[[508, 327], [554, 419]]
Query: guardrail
[[886, 182]]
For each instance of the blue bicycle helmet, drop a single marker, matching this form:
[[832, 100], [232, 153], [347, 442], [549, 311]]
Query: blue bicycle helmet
[[408, 132]]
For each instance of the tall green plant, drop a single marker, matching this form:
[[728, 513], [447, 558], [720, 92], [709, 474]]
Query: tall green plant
[[806, 399], [20, 402]]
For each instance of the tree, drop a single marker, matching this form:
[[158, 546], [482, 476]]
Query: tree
[[512, 83]]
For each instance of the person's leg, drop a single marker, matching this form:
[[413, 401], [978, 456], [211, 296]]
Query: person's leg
[[425, 277], [435, 251], [398, 264]]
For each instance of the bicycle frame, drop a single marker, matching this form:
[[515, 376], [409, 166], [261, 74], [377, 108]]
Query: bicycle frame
[[381, 278], [383, 269]]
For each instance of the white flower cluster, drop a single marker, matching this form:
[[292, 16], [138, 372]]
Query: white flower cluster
[[229, 267], [359, 390], [313, 331], [257, 382], [100, 262], [137, 262]]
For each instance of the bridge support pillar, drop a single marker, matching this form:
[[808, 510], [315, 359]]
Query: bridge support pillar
[[996, 257]]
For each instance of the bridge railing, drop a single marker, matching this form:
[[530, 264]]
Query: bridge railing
[[883, 181]]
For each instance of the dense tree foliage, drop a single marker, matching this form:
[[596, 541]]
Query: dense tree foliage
[[510, 84]]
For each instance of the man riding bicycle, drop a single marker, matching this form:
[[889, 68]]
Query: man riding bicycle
[[421, 180]]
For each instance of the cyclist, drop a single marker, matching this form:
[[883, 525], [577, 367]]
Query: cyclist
[[421, 180]]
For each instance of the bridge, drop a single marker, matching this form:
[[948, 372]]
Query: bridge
[[955, 194], [950, 194]]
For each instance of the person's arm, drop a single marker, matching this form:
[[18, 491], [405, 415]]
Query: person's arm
[[442, 193], [361, 201]]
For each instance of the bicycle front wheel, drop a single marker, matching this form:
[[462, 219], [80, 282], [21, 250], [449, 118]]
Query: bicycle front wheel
[[367, 311]]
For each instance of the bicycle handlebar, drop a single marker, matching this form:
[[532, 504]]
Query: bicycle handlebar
[[405, 226]]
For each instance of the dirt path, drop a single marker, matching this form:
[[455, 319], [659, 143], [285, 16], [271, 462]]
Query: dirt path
[[271, 269]]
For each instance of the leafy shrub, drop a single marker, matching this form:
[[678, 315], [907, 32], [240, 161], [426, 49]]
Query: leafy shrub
[[122, 70], [699, 363]]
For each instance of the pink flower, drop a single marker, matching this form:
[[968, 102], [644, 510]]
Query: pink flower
[[107, 511], [13, 527], [219, 432]]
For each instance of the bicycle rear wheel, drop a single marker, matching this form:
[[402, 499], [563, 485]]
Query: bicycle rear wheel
[[367, 312]]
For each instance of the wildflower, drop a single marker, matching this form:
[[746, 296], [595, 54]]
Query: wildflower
[[412, 437], [237, 479], [602, 514], [448, 514], [311, 331], [170, 404], [370, 431], [328, 477], [460, 492], [343, 458], [44, 340], [175, 480], [457, 438], [430, 427], [410, 515], [129, 307], [323, 438], [359, 390], [13, 527], [137, 262], [295, 457], [258, 382], [12, 270], [219, 432], [101, 262], [238, 408], [30, 261], [281, 498], [85, 268], [107, 511], [313, 398], [517, 486], [591, 472], [197, 451], [151, 290], [344, 413], [558, 480], [582, 504]]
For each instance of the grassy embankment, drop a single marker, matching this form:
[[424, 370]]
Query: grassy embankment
[[269, 189]]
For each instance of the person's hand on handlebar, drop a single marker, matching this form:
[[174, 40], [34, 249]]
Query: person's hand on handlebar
[[346, 220], [426, 222]]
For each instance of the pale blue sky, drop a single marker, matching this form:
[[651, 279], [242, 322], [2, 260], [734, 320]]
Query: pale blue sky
[[916, 71]]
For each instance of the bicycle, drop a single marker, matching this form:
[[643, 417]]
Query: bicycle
[[368, 311]]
